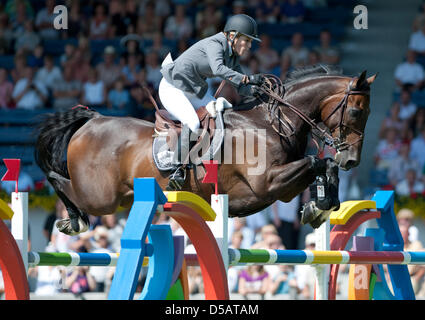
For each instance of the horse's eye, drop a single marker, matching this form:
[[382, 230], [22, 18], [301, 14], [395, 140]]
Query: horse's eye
[[355, 113]]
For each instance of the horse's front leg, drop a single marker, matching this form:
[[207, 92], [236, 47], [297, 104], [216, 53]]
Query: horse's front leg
[[324, 195], [288, 180]]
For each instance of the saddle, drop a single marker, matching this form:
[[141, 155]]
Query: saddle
[[164, 141]]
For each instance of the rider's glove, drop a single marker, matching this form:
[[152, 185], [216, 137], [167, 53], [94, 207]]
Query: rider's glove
[[256, 79]]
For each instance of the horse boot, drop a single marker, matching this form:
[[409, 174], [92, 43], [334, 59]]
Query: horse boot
[[180, 160], [324, 191]]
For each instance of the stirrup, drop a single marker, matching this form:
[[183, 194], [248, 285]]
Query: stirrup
[[177, 179]]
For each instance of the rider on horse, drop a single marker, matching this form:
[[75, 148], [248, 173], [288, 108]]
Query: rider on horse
[[183, 87]]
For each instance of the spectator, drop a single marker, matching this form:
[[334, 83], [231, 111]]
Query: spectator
[[410, 186], [6, 90], [253, 280], [161, 8], [391, 121], [99, 24], [238, 7], [387, 149], [77, 24], [80, 280], [305, 274], [418, 121], [101, 244], [126, 20], [149, 24], [410, 73], [239, 224], [80, 64], [131, 69], [108, 70], [94, 92], [35, 59], [118, 97], [283, 282], [157, 45], [19, 71], [401, 164], [18, 21], [208, 20], [313, 58], [267, 11], [285, 218], [49, 74], [416, 272], [405, 218], [44, 21], [417, 148], [296, 55], [12, 7], [266, 55], [153, 69], [328, 53], [28, 93], [67, 55], [407, 107], [115, 229], [29, 39], [49, 280], [178, 26], [419, 19], [66, 91], [417, 41], [293, 11], [233, 271]]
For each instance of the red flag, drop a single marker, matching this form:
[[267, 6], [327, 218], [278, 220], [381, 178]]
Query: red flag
[[211, 176], [12, 173]]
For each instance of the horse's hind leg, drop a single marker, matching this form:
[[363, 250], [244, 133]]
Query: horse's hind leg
[[78, 221]]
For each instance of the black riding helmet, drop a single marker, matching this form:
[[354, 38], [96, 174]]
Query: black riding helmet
[[243, 24]]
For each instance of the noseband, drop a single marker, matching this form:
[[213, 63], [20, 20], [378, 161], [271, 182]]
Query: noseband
[[273, 89]]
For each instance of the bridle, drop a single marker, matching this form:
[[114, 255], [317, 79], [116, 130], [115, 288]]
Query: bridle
[[274, 89]]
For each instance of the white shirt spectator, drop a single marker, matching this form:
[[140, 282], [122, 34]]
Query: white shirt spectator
[[287, 211], [403, 189], [31, 99], [407, 111], [94, 92], [43, 16], [417, 150], [49, 77], [409, 72], [48, 281], [417, 41]]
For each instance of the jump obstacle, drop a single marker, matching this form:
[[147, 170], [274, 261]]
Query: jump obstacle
[[206, 226]]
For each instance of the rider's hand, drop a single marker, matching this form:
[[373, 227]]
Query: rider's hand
[[256, 91], [256, 79]]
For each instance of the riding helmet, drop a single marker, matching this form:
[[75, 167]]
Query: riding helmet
[[244, 24]]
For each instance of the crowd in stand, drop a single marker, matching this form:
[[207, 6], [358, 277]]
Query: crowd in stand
[[113, 79], [400, 153]]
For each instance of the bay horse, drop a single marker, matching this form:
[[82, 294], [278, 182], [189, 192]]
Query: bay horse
[[91, 159]]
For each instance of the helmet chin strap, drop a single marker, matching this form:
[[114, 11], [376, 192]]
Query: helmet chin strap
[[232, 41]]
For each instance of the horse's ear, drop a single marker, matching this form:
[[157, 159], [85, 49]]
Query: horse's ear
[[372, 78], [361, 79]]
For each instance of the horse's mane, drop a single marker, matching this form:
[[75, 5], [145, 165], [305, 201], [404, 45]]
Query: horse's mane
[[309, 72]]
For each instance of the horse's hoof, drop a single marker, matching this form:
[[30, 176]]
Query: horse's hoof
[[317, 222], [310, 212], [65, 226]]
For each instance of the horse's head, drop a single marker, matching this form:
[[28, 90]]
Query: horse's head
[[345, 113]]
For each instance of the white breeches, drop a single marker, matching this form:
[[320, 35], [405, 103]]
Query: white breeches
[[180, 106]]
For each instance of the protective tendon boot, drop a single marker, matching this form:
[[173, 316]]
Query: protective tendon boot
[[181, 154]]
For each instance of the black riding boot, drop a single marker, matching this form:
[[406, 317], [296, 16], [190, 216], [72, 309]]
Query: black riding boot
[[180, 160]]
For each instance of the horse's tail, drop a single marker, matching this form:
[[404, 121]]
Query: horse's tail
[[54, 133]]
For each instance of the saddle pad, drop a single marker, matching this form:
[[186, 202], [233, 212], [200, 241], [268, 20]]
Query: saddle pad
[[162, 155]]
